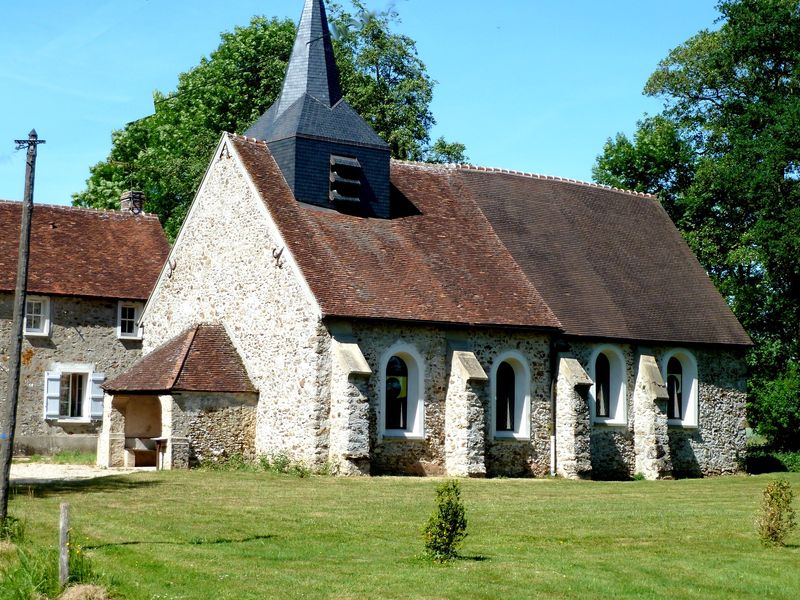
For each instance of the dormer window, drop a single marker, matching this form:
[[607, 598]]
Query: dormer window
[[345, 179]]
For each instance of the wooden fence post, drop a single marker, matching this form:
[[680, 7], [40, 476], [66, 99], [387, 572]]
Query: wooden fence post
[[63, 545]]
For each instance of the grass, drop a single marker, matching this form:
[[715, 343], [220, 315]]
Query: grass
[[240, 534], [65, 457]]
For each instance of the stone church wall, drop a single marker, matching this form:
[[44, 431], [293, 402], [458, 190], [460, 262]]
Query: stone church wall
[[82, 330], [717, 445], [223, 270], [427, 457]]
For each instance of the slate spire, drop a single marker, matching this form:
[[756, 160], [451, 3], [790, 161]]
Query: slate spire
[[312, 68], [328, 154]]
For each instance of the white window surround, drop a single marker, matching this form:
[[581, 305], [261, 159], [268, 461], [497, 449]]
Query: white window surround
[[92, 408], [690, 384], [44, 329], [137, 312], [618, 405], [416, 392], [522, 391]]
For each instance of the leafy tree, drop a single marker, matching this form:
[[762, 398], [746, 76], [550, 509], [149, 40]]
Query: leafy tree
[[724, 156], [166, 153]]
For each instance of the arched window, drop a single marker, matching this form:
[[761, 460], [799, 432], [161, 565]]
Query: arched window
[[396, 393], [511, 399], [679, 369], [402, 405], [675, 389], [602, 382], [506, 396], [608, 394]]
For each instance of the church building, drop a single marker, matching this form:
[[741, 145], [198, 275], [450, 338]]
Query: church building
[[329, 304]]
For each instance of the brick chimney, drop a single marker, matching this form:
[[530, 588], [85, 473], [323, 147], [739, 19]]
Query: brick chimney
[[132, 201]]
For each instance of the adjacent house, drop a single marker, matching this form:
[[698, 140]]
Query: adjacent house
[[327, 303], [90, 272]]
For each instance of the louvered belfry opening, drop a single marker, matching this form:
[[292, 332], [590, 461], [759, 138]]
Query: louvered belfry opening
[[345, 180]]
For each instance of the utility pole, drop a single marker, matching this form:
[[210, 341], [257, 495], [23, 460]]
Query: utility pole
[[9, 421]]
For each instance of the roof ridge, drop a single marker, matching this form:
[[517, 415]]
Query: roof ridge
[[86, 209], [482, 169], [187, 346]]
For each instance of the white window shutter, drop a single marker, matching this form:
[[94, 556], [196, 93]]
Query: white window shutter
[[97, 395], [52, 394]]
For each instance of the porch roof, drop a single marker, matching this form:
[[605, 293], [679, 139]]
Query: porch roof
[[200, 359]]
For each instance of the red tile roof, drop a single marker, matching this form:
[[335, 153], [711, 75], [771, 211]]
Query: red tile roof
[[492, 247], [443, 265], [610, 264], [201, 359], [83, 252]]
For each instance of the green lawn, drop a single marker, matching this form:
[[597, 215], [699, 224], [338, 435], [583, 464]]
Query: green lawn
[[259, 535]]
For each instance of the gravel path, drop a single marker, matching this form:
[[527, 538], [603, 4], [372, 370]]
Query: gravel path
[[28, 473]]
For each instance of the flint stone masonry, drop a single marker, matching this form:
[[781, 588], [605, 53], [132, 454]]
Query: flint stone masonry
[[651, 439], [428, 456], [349, 420], [717, 446], [464, 417], [216, 426], [225, 271], [611, 445], [573, 420], [82, 330]]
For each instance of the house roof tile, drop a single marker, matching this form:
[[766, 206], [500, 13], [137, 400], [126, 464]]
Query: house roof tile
[[440, 263], [83, 252], [491, 247], [200, 359]]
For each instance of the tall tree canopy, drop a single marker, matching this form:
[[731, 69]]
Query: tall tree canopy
[[724, 156], [166, 153]]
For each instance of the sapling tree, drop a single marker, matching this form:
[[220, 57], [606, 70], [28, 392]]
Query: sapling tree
[[447, 525]]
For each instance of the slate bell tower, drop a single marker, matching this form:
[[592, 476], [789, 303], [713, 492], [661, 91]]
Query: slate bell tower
[[329, 155]]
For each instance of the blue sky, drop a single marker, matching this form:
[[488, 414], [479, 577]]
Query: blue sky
[[531, 85]]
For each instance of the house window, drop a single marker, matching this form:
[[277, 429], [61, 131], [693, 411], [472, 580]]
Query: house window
[[128, 315], [510, 379], [37, 316], [72, 392], [402, 404], [608, 393], [679, 369]]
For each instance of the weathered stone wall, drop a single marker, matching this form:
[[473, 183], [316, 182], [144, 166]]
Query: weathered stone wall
[[651, 439], [717, 445], [82, 330], [217, 426], [573, 421], [225, 271], [502, 456], [465, 433], [349, 419], [612, 449]]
